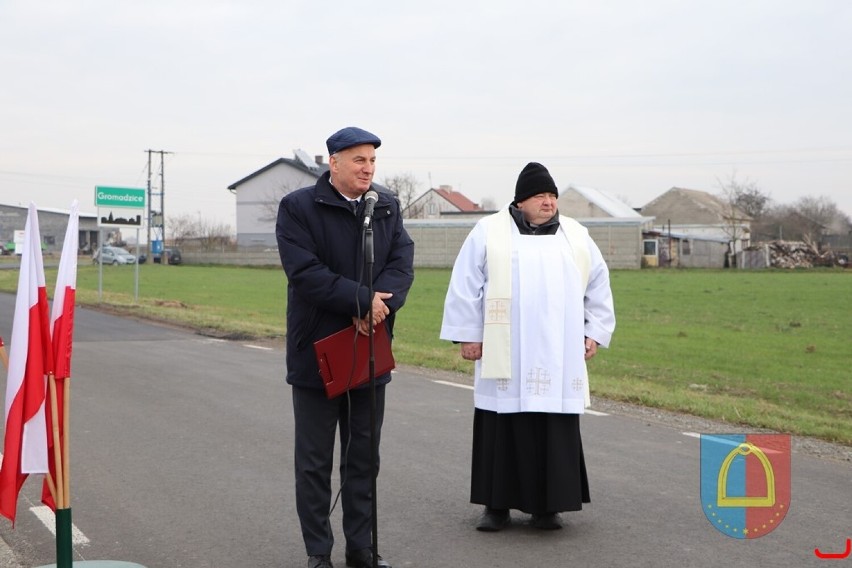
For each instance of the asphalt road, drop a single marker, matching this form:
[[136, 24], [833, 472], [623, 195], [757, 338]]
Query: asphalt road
[[182, 457]]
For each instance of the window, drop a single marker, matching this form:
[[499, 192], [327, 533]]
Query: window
[[649, 247], [685, 247]]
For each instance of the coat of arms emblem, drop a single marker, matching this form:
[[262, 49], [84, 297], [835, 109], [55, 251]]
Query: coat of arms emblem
[[745, 482]]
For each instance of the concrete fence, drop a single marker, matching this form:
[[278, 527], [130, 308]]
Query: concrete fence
[[437, 243], [237, 258]]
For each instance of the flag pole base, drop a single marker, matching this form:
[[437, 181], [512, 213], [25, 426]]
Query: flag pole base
[[64, 550], [99, 564]]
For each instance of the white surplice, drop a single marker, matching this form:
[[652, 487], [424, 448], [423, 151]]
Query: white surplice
[[551, 313]]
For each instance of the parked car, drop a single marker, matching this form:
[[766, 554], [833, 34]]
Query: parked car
[[114, 255], [172, 256]]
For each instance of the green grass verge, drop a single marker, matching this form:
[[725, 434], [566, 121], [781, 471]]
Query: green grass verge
[[767, 349]]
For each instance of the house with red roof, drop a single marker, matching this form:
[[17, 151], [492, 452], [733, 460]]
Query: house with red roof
[[439, 202]]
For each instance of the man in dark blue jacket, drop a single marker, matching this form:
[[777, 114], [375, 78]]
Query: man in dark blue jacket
[[319, 233]]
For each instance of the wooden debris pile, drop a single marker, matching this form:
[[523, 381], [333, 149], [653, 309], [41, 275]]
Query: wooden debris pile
[[798, 254]]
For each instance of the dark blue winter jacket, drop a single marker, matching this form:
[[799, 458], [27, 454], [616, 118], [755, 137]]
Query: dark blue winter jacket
[[320, 243]]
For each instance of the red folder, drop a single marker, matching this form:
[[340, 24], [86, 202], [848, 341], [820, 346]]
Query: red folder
[[340, 370]]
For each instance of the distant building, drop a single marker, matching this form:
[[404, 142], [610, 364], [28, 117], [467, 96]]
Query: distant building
[[259, 193], [689, 213], [52, 224], [590, 203], [614, 226], [669, 250], [694, 212], [441, 201]]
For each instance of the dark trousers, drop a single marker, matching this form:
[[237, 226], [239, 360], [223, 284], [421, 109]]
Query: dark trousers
[[317, 420]]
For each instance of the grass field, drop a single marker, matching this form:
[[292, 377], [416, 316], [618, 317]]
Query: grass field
[[766, 349]]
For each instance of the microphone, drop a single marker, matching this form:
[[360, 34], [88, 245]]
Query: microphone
[[370, 199]]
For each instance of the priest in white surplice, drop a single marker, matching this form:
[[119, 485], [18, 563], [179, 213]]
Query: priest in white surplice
[[529, 301]]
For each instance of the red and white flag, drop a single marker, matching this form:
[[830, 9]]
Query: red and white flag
[[61, 332], [62, 312], [30, 358]]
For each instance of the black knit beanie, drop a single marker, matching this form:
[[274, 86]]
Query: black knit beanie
[[534, 179]]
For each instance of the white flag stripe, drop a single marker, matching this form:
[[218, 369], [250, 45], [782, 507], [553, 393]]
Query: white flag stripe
[[67, 275], [34, 446]]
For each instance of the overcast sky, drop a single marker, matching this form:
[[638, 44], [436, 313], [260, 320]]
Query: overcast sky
[[630, 97]]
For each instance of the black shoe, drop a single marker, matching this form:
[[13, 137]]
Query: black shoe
[[493, 520], [364, 559], [323, 561], [547, 521]]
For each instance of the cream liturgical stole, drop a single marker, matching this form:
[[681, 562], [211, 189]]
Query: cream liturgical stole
[[533, 342]]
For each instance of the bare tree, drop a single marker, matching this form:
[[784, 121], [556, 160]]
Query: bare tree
[[213, 235], [808, 219], [406, 186], [748, 197], [787, 223], [736, 220], [271, 200], [821, 209], [182, 227], [210, 235]]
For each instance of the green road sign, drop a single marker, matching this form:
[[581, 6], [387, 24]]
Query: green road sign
[[125, 197]]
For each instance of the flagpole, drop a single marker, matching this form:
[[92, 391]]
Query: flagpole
[[50, 485], [66, 439], [57, 446]]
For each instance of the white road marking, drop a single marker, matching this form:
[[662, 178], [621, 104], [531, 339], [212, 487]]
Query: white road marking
[[449, 384], [48, 519], [260, 347]]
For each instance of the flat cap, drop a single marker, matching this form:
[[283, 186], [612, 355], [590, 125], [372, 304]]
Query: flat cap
[[350, 136]]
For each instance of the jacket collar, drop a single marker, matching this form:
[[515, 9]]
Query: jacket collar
[[327, 193], [549, 227]]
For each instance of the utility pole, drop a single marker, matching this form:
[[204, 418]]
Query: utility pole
[[157, 220]]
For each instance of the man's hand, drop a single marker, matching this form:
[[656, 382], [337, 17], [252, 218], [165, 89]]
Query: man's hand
[[362, 326], [380, 310], [380, 313], [471, 351], [591, 348]]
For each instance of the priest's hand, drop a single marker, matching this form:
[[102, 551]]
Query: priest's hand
[[471, 351], [591, 348]]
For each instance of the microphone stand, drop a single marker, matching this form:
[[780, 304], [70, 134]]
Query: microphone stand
[[369, 259]]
